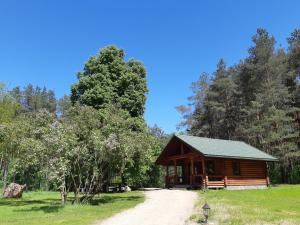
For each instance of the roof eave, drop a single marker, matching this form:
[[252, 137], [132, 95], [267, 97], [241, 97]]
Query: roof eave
[[240, 157]]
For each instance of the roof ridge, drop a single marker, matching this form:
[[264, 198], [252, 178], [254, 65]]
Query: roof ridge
[[209, 138]]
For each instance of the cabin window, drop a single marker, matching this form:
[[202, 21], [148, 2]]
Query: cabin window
[[179, 167], [210, 167], [198, 168], [171, 168], [171, 171], [236, 168]]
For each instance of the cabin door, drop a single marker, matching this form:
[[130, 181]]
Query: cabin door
[[198, 172], [180, 172], [187, 172]]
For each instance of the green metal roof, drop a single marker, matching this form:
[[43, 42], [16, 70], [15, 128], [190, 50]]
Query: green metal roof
[[224, 148]]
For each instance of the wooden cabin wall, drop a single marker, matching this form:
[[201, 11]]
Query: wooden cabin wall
[[251, 173], [219, 166]]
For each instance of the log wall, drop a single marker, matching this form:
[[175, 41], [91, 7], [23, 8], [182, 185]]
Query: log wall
[[251, 173]]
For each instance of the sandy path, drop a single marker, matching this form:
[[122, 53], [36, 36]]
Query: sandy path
[[162, 207]]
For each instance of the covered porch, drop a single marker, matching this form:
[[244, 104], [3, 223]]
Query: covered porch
[[195, 170]]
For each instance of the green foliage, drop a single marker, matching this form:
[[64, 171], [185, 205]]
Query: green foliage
[[108, 79], [121, 144], [8, 111], [117, 89], [64, 104], [27, 147], [84, 149], [8, 107], [255, 101], [96, 135]]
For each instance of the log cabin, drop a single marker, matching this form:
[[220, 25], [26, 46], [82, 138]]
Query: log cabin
[[199, 162]]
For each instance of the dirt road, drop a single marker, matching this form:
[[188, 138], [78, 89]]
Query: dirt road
[[162, 207]]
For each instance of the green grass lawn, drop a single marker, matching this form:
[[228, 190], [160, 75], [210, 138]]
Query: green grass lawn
[[276, 205], [36, 208]]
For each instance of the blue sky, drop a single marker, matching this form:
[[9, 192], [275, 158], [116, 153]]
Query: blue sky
[[47, 42]]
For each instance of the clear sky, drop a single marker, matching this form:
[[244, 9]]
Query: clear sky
[[47, 42]]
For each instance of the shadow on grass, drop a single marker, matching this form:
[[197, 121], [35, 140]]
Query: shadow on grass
[[45, 209], [53, 205], [112, 199], [24, 202], [201, 221]]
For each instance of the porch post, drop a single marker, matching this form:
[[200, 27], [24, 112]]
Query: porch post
[[204, 173], [167, 176], [224, 173], [192, 172], [225, 181], [186, 171], [267, 175], [175, 167]]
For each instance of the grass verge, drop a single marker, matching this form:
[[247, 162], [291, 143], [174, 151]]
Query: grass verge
[[274, 206]]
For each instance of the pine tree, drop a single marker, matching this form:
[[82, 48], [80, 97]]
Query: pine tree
[[293, 78], [29, 98], [219, 104], [193, 113], [253, 69], [51, 104], [37, 99], [214, 114], [44, 97]]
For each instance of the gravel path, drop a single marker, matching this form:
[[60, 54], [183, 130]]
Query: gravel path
[[162, 207]]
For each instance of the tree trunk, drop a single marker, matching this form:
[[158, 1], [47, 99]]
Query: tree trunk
[[76, 200], [5, 174], [1, 168], [283, 175], [63, 193], [63, 196], [46, 182]]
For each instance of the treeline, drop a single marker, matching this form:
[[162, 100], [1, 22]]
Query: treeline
[[83, 142], [32, 99], [257, 101]]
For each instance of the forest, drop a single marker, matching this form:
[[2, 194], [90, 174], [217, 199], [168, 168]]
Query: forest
[[97, 135], [257, 101]]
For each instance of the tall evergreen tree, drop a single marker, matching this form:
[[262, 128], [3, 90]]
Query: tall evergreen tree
[[29, 98], [51, 104], [219, 104], [44, 97], [293, 79], [194, 111], [253, 69], [37, 99]]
